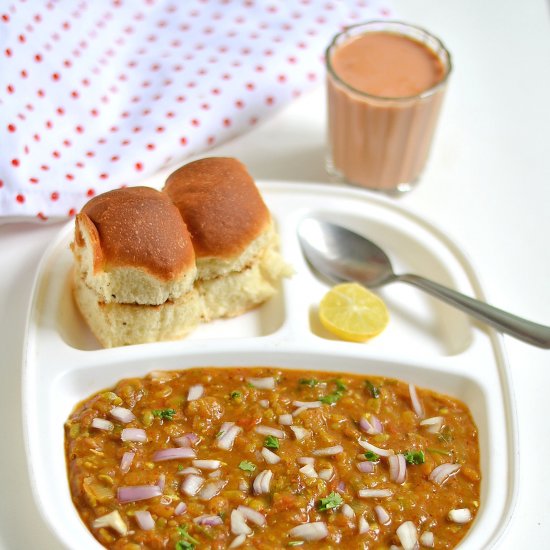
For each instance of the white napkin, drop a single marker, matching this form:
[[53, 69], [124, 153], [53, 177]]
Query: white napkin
[[99, 94]]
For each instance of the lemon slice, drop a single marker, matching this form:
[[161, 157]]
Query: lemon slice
[[353, 313]]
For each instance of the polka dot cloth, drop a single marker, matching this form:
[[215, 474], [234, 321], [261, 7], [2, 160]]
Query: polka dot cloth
[[98, 94]]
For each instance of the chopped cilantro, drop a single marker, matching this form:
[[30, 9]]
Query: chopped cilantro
[[164, 414], [180, 467], [415, 457], [235, 394], [311, 382], [372, 456], [271, 442], [373, 390], [335, 395], [247, 466], [187, 542], [334, 500], [340, 386]]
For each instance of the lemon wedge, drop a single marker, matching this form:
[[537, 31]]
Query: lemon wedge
[[352, 312]]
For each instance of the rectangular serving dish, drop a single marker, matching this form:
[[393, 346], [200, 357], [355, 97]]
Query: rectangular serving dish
[[426, 343]]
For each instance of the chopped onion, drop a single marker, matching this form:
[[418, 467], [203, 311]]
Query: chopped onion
[[227, 439], [103, 424], [173, 453], [134, 493], [427, 539], [366, 466], [191, 484], [372, 427], [215, 474], [238, 541], [166, 500], [208, 519], [329, 451], [415, 402], [180, 509], [126, 461], [238, 524], [285, 419], [161, 482], [252, 515], [122, 415], [189, 470], [460, 515], [305, 460], [266, 430], [133, 434], [264, 403], [398, 468], [408, 537], [374, 448], [317, 530], [347, 510], [270, 457], [307, 404], [243, 486], [145, 520], [112, 520], [440, 474], [363, 526], [382, 515], [211, 489], [375, 493], [195, 392], [262, 482], [207, 464], [267, 383], [326, 474], [299, 432], [433, 424], [187, 440], [309, 471]]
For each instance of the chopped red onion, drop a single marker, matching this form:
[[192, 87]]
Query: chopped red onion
[[215, 474], [180, 509], [375, 493], [433, 425], [189, 470], [262, 482], [341, 487], [329, 451], [122, 415], [227, 439], [133, 434], [305, 460], [195, 392], [145, 520], [316, 530], [267, 383], [173, 453], [440, 474], [309, 471], [252, 515], [374, 448], [207, 464], [427, 539], [211, 489], [398, 468], [285, 419], [269, 456], [166, 500], [264, 403], [238, 524], [208, 519], [363, 526], [382, 515], [113, 520], [187, 440], [326, 474], [237, 541], [134, 493], [102, 424], [266, 430], [460, 515], [415, 402], [161, 482], [372, 427], [126, 461], [408, 537], [243, 486], [307, 404], [299, 432], [348, 511], [191, 484], [366, 467]]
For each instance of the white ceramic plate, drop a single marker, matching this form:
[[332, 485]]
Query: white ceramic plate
[[426, 343]]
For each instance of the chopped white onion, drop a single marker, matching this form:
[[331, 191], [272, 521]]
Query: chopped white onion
[[326, 474], [366, 466], [427, 539], [207, 464], [267, 430], [195, 392], [211, 489], [192, 484], [126, 461], [440, 474], [299, 432], [122, 415], [285, 419], [375, 493], [460, 515], [398, 468], [270, 457], [237, 541], [309, 471], [238, 524], [264, 403], [252, 515], [113, 520], [433, 425], [415, 402], [262, 482], [215, 474], [329, 451], [102, 424], [208, 519], [180, 509], [348, 511], [382, 515], [305, 460], [243, 486], [173, 453], [133, 493], [374, 448], [363, 526], [133, 434], [227, 439], [408, 537], [267, 383], [316, 530], [145, 520], [307, 404]]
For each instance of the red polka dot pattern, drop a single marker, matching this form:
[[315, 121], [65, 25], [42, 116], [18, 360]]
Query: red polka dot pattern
[[99, 95]]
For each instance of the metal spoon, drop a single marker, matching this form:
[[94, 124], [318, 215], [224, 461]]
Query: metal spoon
[[342, 255]]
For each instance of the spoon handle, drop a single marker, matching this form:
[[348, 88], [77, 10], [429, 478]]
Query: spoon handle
[[532, 333]]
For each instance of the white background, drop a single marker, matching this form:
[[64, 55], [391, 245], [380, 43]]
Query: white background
[[487, 185]]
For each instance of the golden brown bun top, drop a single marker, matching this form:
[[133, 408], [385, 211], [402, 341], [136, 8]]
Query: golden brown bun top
[[220, 204], [138, 227]]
